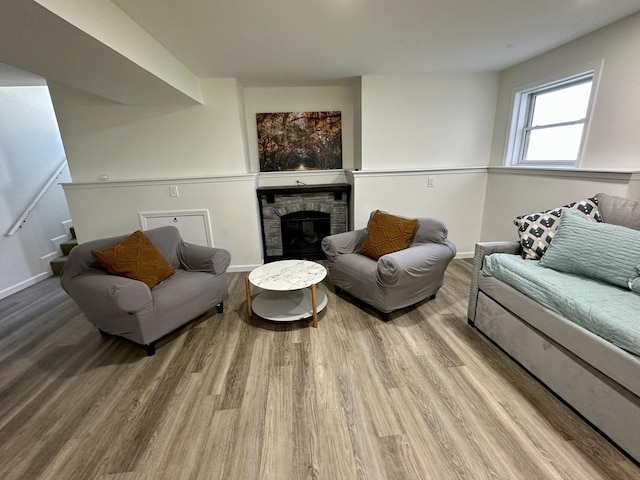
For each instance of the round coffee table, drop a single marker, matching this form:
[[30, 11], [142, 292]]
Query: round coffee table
[[289, 291]]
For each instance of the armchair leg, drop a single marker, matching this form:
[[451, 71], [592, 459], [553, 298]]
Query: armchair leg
[[103, 333], [150, 348], [220, 307], [338, 290], [432, 297]]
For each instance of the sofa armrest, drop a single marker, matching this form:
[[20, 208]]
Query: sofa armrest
[[199, 258], [105, 293], [416, 261], [482, 250], [341, 243]]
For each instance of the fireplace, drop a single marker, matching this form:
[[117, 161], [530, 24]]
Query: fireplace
[[302, 233], [294, 220]]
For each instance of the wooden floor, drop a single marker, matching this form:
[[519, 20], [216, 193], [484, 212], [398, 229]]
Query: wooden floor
[[423, 396]]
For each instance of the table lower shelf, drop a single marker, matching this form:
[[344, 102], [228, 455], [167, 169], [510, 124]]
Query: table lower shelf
[[287, 306]]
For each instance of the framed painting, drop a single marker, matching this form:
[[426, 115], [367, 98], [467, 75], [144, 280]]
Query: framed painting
[[299, 141]]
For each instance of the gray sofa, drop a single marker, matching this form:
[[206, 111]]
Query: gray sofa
[[597, 379], [395, 280], [127, 308]]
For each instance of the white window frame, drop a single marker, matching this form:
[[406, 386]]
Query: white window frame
[[521, 115]]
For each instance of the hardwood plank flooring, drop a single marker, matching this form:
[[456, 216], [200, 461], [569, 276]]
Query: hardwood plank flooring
[[423, 396]]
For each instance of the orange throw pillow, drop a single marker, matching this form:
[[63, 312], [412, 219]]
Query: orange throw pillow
[[137, 258], [387, 234]]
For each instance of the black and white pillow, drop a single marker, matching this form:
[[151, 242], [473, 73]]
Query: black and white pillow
[[536, 230]]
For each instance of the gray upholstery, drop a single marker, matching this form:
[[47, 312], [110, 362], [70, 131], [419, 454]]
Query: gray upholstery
[[596, 378], [395, 280], [607, 404], [482, 250], [128, 308], [619, 210]]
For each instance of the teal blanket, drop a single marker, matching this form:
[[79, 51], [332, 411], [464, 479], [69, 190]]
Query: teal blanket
[[605, 310]]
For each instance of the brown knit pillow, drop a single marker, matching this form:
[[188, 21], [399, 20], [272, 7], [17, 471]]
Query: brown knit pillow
[[386, 234], [137, 258]]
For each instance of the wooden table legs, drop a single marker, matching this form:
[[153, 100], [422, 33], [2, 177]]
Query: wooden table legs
[[314, 302], [314, 306], [247, 286]]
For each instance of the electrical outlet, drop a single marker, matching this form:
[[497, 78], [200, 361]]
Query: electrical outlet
[[431, 181], [173, 191]]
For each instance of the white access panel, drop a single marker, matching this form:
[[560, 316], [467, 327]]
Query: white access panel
[[194, 225]]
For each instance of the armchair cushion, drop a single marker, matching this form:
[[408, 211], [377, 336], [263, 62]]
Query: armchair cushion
[[387, 233], [200, 258], [137, 258], [341, 243], [414, 262]]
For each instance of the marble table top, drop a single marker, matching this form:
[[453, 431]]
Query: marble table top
[[287, 275]]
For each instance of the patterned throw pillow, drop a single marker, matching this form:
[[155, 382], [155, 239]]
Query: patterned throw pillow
[[536, 230], [137, 258], [387, 234]]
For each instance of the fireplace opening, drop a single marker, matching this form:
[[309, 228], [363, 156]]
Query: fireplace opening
[[302, 234]]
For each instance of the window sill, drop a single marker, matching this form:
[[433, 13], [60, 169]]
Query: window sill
[[621, 175]]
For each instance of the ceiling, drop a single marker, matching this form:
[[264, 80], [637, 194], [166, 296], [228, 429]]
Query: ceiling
[[291, 42], [141, 51]]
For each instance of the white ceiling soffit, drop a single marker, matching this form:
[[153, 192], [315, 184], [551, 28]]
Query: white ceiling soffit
[[34, 39], [310, 42]]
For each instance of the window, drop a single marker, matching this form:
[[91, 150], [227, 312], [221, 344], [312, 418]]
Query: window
[[549, 122]]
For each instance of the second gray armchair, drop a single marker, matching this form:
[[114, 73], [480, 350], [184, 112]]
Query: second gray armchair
[[395, 280]]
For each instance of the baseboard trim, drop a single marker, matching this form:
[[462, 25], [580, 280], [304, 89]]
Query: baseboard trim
[[464, 255], [24, 284], [242, 268]]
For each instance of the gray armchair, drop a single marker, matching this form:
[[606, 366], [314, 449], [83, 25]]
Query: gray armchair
[[128, 308], [395, 280]]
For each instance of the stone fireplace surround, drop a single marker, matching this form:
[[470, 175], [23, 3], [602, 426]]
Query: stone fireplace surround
[[276, 202]]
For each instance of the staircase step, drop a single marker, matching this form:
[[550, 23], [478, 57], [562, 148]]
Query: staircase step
[[67, 246], [58, 264]]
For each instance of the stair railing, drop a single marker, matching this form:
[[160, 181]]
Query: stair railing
[[23, 218]]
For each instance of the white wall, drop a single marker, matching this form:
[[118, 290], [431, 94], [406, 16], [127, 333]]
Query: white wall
[[434, 120], [300, 99], [456, 198], [613, 140], [510, 194], [126, 142], [30, 152], [112, 208], [357, 125], [416, 127], [30, 144], [411, 127], [201, 149]]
